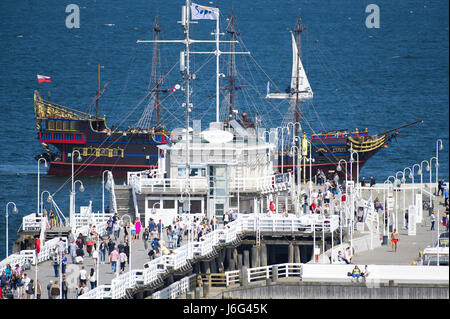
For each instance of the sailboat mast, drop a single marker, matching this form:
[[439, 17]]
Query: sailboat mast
[[298, 30]]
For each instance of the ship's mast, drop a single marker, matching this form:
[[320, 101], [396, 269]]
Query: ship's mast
[[231, 79], [98, 90], [298, 30], [156, 66]]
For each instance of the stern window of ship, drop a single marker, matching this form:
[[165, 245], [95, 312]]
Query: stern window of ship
[[66, 125], [59, 125], [51, 124]]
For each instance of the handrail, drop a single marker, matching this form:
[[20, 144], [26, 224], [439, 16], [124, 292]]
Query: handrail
[[181, 256]]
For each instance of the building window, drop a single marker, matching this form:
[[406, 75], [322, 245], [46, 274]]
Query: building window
[[168, 204], [152, 202]]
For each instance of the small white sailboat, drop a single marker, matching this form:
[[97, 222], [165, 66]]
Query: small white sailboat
[[299, 87]]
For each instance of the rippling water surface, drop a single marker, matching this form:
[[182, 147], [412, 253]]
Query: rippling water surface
[[366, 78]]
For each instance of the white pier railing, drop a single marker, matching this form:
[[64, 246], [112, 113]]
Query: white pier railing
[[206, 246], [174, 290], [270, 183]]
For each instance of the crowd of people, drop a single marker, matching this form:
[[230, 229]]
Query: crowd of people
[[16, 284]]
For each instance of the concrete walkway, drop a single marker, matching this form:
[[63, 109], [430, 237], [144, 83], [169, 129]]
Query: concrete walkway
[[408, 247]]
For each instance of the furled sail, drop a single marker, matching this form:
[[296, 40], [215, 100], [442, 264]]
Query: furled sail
[[304, 90]]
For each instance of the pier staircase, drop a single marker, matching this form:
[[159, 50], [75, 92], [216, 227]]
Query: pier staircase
[[290, 207], [124, 200], [56, 233]]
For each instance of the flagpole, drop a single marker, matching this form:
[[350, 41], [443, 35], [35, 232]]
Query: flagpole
[[217, 68]]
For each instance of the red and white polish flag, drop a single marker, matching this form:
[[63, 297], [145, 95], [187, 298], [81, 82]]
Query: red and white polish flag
[[43, 78]]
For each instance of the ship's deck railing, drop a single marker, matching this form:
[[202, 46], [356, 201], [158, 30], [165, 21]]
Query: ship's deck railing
[[265, 184], [207, 245]]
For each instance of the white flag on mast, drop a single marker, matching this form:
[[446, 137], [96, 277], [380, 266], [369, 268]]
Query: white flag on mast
[[199, 12]]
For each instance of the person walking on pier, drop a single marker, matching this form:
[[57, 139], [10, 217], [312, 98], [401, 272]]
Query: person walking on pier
[[93, 279], [123, 260], [111, 247], [137, 227], [372, 181], [113, 258], [83, 276], [432, 219], [395, 238], [145, 238], [38, 289], [406, 219], [64, 288], [73, 250], [102, 249]]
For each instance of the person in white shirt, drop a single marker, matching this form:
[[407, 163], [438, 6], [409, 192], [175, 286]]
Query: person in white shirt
[[95, 257], [93, 279], [123, 260], [83, 276]]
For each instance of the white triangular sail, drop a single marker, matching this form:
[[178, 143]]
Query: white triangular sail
[[304, 90]]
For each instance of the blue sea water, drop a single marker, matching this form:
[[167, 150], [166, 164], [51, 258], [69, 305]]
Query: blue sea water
[[376, 78]]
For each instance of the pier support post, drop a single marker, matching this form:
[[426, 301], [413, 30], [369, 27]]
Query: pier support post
[[255, 257], [197, 267], [263, 255], [239, 261], [230, 259], [206, 289], [296, 254], [205, 267], [243, 276], [220, 260], [213, 265], [272, 255], [291, 253], [274, 274], [235, 259], [197, 293], [246, 257]]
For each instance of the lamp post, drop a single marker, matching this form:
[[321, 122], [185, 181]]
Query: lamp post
[[129, 239], [339, 168], [385, 225], [15, 212], [357, 166], [294, 130], [190, 232], [421, 175], [49, 199], [38, 182], [81, 188], [72, 193], [103, 190], [411, 176], [340, 216], [294, 157], [431, 171], [440, 148], [399, 185], [282, 128]]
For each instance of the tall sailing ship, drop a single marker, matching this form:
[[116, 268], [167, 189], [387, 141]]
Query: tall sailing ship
[[94, 145], [135, 149], [324, 151]]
